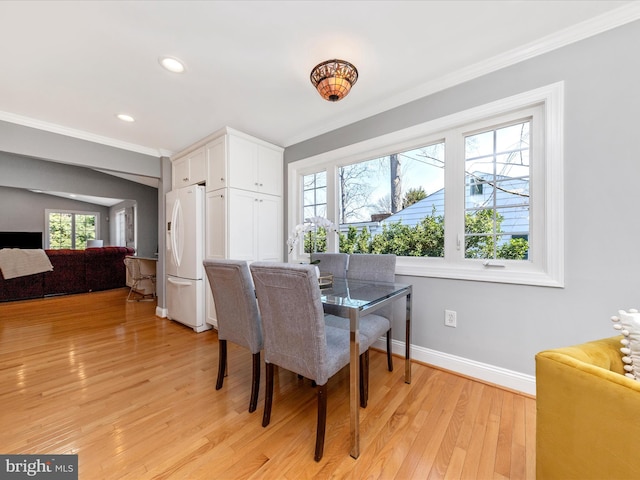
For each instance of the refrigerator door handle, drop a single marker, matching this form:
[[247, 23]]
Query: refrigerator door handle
[[178, 282], [175, 232]]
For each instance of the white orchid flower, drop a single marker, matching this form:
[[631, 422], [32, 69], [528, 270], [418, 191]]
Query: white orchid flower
[[310, 225]]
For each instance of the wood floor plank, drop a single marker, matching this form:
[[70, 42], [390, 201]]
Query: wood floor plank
[[486, 468], [505, 435], [133, 395]]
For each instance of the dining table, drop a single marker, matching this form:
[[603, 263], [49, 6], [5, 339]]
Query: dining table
[[353, 299]]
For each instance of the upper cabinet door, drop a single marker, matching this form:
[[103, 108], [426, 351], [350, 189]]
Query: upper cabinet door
[[254, 167], [217, 164], [269, 171], [190, 169], [180, 173], [198, 166], [243, 156]]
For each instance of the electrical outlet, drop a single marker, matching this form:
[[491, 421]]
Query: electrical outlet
[[450, 319]]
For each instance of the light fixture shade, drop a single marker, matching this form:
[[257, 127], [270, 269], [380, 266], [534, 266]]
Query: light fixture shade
[[334, 78], [172, 64]]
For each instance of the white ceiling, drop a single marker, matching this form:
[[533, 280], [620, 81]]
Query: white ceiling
[[73, 65]]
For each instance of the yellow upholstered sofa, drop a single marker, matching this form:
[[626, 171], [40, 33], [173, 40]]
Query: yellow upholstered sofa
[[588, 414]]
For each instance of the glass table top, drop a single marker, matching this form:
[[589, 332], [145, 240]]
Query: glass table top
[[359, 294]]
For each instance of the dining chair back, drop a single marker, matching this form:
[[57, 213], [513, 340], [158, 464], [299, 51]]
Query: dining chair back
[[237, 316], [296, 336], [377, 268], [333, 263]]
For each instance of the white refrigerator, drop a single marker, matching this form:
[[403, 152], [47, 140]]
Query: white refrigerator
[[185, 247]]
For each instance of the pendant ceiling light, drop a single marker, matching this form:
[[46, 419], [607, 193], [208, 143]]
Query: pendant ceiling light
[[334, 78]]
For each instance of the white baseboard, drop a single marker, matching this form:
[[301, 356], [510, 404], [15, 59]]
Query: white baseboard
[[470, 368]]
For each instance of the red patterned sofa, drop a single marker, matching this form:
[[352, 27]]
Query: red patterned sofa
[[74, 271]]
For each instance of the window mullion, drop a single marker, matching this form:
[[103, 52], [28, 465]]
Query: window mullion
[[454, 196], [332, 205], [73, 231]]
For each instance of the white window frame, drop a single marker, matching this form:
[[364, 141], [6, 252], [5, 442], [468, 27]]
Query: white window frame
[[545, 266], [48, 211]]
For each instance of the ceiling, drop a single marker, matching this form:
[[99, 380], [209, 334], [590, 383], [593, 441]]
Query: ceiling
[[72, 66], [104, 201]]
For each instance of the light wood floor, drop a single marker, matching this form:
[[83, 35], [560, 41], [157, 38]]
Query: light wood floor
[[134, 396]]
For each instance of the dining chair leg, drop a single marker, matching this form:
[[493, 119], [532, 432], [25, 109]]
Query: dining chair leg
[[364, 379], [222, 362], [389, 356], [255, 384], [268, 394], [322, 421]]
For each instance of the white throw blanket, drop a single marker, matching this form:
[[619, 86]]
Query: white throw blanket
[[18, 262]]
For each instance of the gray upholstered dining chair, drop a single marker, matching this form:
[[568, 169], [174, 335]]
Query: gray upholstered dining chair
[[377, 268], [296, 336], [333, 263], [237, 315]]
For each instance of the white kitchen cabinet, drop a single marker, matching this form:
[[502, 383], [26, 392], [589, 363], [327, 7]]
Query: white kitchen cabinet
[[254, 166], [255, 224], [215, 241], [242, 225], [190, 169], [216, 225], [237, 160], [268, 218], [217, 164], [243, 177], [210, 306]]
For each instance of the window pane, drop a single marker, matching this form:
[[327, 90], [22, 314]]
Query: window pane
[[309, 197], [314, 204], [314, 195], [394, 204], [85, 230], [479, 145], [60, 227], [497, 198]]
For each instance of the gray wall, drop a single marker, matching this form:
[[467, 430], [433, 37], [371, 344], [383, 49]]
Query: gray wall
[[36, 143], [505, 325], [23, 211], [21, 172]]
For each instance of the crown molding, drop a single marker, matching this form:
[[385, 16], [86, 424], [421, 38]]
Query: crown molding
[[615, 18], [81, 135], [580, 31]]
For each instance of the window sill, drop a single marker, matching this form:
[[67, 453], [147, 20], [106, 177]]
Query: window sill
[[474, 270]]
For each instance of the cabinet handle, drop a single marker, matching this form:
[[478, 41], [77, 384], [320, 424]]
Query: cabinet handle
[[185, 179], [260, 184], [221, 179], [257, 184]]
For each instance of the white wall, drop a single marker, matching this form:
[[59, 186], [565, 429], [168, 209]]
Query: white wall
[[500, 326]]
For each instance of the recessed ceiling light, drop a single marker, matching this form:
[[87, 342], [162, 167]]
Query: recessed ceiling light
[[172, 64], [125, 118]]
